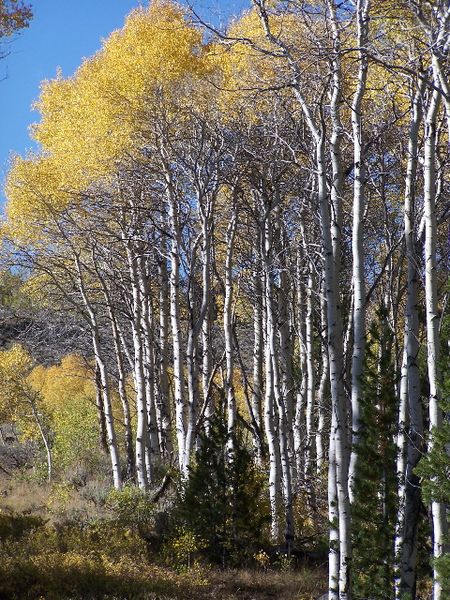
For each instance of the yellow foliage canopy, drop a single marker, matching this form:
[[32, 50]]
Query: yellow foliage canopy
[[90, 120], [15, 366]]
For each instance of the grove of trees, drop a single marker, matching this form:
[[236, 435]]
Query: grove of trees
[[250, 228]]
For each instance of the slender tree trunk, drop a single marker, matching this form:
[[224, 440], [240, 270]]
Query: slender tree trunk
[[410, 411], [129, 450], [269, 422], [138, 366], [359, 293], [44, 437], [207, 369], [152, 441], [286, 349], [104, 381], [335, 349], [258, 342], [228, 333], [271, 350], [333, 517], [178, 374], [100, 412], [310, 388], [192, 374], [163, 405], [323, 386], [432, 316], [299, 425], [205, 212]]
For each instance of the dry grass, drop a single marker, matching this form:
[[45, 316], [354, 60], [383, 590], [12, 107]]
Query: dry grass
[[302, 584], [52, 502], [57, 544], [23, 497]]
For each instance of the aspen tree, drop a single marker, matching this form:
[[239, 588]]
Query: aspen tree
[[104, 380], [410, 412], [432, 316], [359, 310], [228, 330]]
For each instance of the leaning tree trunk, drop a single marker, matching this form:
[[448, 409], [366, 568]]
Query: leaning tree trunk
[[104, 380], [121, 376]]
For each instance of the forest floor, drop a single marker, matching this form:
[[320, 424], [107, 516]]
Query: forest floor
[[59, 544]]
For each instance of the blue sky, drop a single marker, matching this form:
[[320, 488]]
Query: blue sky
[[61, 33]]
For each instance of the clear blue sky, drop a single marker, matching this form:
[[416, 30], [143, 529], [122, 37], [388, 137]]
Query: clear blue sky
[[61, 33]]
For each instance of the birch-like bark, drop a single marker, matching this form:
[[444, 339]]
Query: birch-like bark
[[410, 410], [192, 369], [44, 437], [178, 374], [299, 425], [205, 211], [286, 349], [358, 275], [152, 442], [269, 415], [272, 355], [432, 316], [163, 403], [333, 516], [121, 385], [335, 352], [311, 381], [258, 342], [323, 386], [207, 369], [337, 131], [121, 377], [103, 443], [228, 334], [101, 365], [138, 367]]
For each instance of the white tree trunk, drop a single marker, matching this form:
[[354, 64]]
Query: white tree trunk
[[410, 423], [138, 368], [432, 315], [99, 360], [163, 405], [258, 342], [178, 374], [359, 293], [228, 334], [323, 386], [335, 352], [299, 423], [152, 445], [311, 383], [272, 355]]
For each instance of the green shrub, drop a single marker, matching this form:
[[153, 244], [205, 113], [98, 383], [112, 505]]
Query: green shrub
[[222, 503]]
